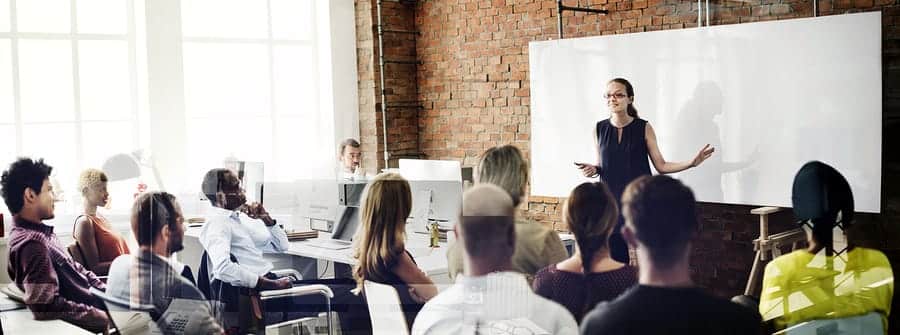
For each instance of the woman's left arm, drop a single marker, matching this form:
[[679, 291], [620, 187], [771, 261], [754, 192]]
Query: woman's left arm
[[660, 164]]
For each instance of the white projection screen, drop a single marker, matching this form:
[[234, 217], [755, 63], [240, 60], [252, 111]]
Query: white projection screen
[[768, 96]]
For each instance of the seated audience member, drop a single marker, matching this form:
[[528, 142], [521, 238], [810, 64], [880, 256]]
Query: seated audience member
[[242, 230], [660, 222], [490, 294], [351, 156], [821, 282], [536, 245], [381, 244], [98, 243], [55, 286], [590, 275], [147, 277]]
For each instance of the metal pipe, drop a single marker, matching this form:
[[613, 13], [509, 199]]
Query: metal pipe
[[707, 13], [815, 8], [381, 75], [699, 14], [559, 7]]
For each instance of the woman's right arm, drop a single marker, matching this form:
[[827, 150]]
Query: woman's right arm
[[84, 235], [421, 287]]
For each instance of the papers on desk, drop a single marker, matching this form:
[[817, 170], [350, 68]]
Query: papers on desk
[[329, 244]]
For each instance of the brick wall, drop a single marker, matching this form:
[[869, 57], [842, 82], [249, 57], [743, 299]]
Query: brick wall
[[474, 86]]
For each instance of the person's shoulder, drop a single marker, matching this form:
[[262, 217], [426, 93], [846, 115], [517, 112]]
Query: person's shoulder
[[605, 317], [726, 309]]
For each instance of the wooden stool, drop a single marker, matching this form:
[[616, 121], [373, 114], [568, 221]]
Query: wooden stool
[[768, 247]]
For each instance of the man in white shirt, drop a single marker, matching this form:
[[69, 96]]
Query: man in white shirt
[[351, 156], [489, 295], [242, 230]]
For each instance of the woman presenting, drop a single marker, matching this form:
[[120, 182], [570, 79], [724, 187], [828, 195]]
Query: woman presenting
[[624, 141]]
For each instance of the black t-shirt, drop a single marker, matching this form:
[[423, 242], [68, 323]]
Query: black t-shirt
[[663, 310]]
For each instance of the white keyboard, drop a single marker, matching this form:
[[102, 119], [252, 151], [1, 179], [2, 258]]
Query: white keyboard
[[329, 244]]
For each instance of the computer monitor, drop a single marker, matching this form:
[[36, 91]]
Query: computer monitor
[[430, 170], [443, 197]]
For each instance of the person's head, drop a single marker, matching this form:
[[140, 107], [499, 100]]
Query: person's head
[[822, 199], [620, 97], [26, 188], [504, 166], [591, 214], [660, 217], [156, 220], [223, 189], [487, 226], [350, 154], [385, 205], [92, 184]]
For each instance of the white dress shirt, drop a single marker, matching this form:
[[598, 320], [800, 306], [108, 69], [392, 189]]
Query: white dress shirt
[[234, 233], [475, 303]]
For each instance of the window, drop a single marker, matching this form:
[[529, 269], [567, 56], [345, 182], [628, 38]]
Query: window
[[251, 85], [68, 85]]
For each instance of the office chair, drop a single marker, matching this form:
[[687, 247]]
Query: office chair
[[385, 309], [226, 298]]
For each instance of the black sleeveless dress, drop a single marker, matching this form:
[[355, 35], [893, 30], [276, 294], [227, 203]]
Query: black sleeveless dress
[[621, 163]]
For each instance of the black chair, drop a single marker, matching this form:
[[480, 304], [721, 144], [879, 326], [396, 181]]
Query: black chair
[[227, 298]]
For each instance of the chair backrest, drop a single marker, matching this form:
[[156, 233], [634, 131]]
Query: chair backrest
[[385, 309], [861, 324], [128, 318]]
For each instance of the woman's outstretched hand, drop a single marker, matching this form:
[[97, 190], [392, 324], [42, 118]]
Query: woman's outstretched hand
[[588, 170], [704, 153]]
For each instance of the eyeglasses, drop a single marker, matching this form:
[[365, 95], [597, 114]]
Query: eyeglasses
[[618, 96]]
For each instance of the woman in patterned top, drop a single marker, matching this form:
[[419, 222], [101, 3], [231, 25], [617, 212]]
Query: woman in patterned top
[[590, 275]]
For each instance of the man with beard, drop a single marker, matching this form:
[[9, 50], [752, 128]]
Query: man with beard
[[158, 226], [55, 286]]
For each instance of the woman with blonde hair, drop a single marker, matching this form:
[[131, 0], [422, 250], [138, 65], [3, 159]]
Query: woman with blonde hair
[[380, 244], [536, 245], [97, 243], [590, 275]]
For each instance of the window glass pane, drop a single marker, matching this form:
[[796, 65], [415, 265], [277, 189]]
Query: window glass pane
[[4, 15], [7, 146], [294, 77], [102, 16], [224, 18], [43, 16], [55, 143], [292, 19], [45, 78], [302, 150], [104, 76], [7, 112], [102, 140], [210, 141], [225, 80]]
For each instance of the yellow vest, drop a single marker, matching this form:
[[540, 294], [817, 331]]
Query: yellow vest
[[800, 286]]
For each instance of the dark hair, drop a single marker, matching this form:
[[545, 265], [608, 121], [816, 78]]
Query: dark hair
[[212, 183], [591, 214], [629, 90], [351, 142], [151, 212], [662, 212], [23, 173], [822, 198]]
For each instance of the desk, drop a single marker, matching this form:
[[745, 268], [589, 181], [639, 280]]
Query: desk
[[433, 261], [21, 321]]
